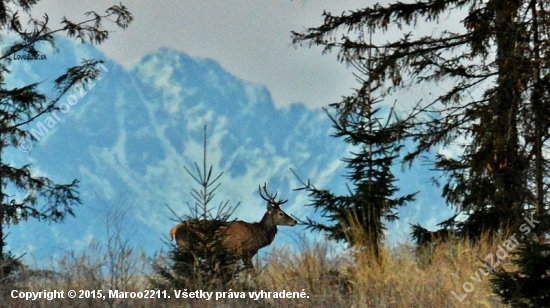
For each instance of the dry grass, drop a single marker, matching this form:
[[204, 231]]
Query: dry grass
[[343, 279], [401, 280]]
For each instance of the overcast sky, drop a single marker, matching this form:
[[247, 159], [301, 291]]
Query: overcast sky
[[249, 38]]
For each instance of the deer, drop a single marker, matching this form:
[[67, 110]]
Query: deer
[[241, 237]]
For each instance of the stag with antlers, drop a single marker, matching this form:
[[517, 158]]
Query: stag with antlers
[[240, 237]]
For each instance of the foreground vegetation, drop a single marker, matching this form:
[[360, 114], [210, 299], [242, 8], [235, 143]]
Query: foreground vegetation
[[329, 278]]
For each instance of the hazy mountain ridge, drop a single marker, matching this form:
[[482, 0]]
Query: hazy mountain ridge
[[134, 130]]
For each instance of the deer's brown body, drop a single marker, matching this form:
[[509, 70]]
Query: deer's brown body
[[240, 237]]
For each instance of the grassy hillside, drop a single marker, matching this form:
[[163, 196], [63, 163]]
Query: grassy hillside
[[326, 278]]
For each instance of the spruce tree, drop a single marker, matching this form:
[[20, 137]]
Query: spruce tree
[[23, 194], [204, 263], [492, 70], [359, 218], [529, 286]]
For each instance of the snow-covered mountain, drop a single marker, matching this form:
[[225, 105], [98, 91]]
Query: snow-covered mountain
[[129, 136]]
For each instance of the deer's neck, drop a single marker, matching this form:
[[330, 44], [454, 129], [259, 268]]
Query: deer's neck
[[269, 227]]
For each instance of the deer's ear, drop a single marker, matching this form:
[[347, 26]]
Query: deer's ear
[[270, 206]]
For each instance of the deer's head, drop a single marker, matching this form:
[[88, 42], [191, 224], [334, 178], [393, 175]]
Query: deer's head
[[274, 212]]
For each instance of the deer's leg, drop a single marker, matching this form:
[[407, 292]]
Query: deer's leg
[[250, 272], [247, 260]]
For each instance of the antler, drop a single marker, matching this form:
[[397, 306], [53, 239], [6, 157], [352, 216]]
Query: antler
[[270, 197]]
